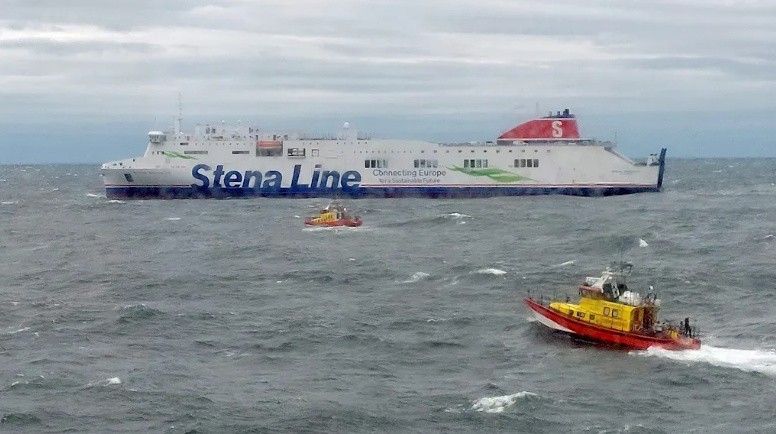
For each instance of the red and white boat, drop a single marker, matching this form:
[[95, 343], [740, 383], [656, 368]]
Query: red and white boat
[[608, 312]]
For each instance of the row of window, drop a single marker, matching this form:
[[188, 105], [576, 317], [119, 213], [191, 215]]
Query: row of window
[[475, 163], [372, 164], [425, 163], [447, 151], [614, 313], [527, 162]]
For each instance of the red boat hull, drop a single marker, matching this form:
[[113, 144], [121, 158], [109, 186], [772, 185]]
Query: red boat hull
[[568, 324], [352, 223]]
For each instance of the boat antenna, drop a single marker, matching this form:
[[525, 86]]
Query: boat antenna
[[180, 115]]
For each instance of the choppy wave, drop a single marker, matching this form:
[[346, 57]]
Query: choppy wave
[[498, 404], [107, 382], [493, 271], [417, 276]]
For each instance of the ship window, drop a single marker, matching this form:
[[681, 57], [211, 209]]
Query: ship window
[[530, 163], [479, 163], [581, 314], [484, 163], [315, 152], [592, 317], [517, 163], [195, 152], [465, 163], [240, 152], [184, 143], [571, 312], [536, 162], [128, 177], [423, 163], [615, 313], [606, 311], [417, 163], [366, 164], [522, 162], [471, 163]]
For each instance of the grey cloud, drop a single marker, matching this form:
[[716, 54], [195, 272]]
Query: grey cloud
[[42, 46]]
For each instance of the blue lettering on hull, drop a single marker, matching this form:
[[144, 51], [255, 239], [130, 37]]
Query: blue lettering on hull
[[256, 183]]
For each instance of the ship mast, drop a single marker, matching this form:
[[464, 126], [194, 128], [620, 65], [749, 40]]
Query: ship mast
[[180, 116]]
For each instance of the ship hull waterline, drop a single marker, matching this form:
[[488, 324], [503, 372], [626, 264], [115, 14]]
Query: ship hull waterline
[[188, 192]]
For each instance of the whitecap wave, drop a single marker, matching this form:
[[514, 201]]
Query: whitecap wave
[[497, 404], [455, 215], [493, 271], [643, 243], [108, 382], [762, 361], [115, 201], [571, 262], [94, 195], [417, 277], [9, 202], [173, 218]]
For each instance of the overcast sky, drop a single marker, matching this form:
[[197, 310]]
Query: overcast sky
[[84, 80]]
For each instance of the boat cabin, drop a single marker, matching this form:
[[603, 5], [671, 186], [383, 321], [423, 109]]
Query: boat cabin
[[607, 301]]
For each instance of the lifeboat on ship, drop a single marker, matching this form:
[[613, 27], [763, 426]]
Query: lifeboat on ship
[[608, 312], [335, 214]]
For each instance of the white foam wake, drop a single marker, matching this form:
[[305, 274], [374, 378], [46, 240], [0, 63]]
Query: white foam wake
[[493, 271], [643, 243], [763, 361], [572, 262], [497, 404]]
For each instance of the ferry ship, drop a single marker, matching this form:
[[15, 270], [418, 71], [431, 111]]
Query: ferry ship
[[541, 156]]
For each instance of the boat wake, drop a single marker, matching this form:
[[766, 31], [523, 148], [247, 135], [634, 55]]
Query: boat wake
[[762, 361], [498, 404]]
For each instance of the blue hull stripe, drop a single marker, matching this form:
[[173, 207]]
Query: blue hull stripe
[[369, 192]]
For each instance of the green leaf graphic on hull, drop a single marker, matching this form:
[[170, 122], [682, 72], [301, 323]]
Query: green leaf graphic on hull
[[495, 174], [174, 154]]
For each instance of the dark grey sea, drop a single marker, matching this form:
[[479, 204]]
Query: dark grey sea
[[213, 316]]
